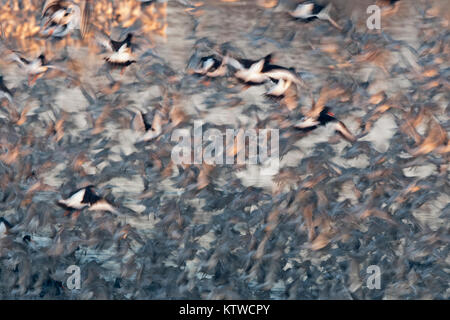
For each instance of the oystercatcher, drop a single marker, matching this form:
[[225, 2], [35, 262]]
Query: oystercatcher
[[85, 197], [60, 17], [250, 71], [211, 66], [325, 116], [288, 75], [120, 52], [310, 10], [35, 68]]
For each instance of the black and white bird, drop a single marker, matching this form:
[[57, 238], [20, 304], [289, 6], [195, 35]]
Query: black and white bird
[[279, 88], [119, 52], [310, 10], [211, 66], [61, 17], [323, 118], [85, 198], [4, 227], [283, 77], [4, 91], [35, 68], [148, 131], [249, 71], [255, 72], [140, 122]]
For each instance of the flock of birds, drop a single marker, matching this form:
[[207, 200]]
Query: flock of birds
[[257, 72], [303, 209]]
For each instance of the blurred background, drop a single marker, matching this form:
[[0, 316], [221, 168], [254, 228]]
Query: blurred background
[[227, 231]]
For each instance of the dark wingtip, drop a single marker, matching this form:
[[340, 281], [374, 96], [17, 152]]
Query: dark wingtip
[[6, 222], [62, 205], [128, 38], [26, 238], [42, 58], [269, 57]]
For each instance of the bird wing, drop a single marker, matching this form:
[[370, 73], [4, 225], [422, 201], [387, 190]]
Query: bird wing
[[50, 4], [2, 229], [326, 94], [325, 15], [75, 200], [280, 88], [206, 65], [102, 205], [4, 89], [307, 122], [121, 56], [343, 130], [138, 122], [281, 73], [104, 41], [257, 67], [233, 62], [155, 131], [303, 11], [116, 45], [15, 57], [85, 16]]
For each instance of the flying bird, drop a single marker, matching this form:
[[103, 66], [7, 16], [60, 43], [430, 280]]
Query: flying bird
[[279, 88], [85, 197], [119, 52], [61, 17], [250, 71], [140, 122], [4, 91], [287, 76], [255, 72], [35, 68], [151, 131], [211, 66], [310, 10], [325, 117]]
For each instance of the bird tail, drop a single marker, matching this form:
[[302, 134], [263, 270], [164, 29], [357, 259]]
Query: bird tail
[[325, 15]]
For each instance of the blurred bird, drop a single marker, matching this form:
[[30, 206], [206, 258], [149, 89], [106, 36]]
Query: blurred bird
[[277, 73], [120, 53], [35, 68], [388, 6], [250, 71], [279, 89], [155, 129], [140, 122], [4, 227], [309, 10], [60, 17], [85, 197], [255, 72], [211, 66], [4, 91], [325, 116]]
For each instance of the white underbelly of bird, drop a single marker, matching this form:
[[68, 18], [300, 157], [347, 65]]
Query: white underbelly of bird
[[123, 58]]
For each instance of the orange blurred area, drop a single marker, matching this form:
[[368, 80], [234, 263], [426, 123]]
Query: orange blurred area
[[21, 25]]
